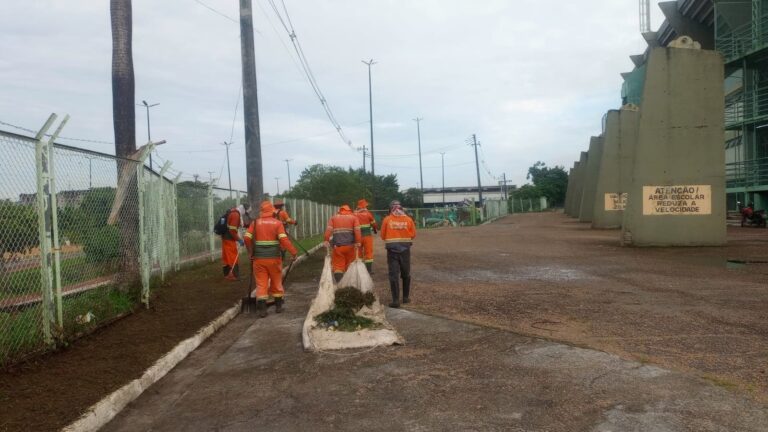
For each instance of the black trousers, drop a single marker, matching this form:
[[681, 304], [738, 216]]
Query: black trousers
[[399, 264]]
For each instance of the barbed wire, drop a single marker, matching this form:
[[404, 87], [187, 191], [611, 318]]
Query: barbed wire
[[59, 137]]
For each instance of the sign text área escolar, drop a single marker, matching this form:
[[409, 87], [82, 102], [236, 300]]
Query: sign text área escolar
[[685, 200]]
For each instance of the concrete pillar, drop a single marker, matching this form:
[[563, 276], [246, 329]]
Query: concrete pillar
[[579, 190], [590, 179], [677, 193], [615, 167], [568, 192]]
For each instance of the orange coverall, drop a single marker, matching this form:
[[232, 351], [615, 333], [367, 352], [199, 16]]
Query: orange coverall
[[229, 256], [265, 239], [343, 233], [367, 226], [285, 218]]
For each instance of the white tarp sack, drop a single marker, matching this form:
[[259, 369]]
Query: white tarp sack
[[316, 338]]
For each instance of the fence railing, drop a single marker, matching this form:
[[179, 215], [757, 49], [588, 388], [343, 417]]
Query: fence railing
[[528, 205], [86, 236]]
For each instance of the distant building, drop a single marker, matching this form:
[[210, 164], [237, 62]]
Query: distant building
[[433, 197], [69, 198]]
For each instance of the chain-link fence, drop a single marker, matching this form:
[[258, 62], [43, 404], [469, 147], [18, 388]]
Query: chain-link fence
[[85, 236], [528, 205], [452, 216]]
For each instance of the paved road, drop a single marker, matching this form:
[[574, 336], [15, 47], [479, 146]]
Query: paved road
[[450, 376]]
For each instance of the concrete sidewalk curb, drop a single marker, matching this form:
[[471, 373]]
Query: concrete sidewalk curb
[[106, 409]]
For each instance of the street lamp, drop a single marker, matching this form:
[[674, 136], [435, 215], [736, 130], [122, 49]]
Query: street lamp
[[370, 112], [442, 162], [149, 135]]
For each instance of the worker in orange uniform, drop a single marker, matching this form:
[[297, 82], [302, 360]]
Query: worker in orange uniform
[[368, 228], [343, 234], [265, 239], [398, 232], [282, 214], [229, 255]]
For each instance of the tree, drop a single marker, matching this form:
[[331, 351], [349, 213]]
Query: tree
[[549, 182], [335, 185], [124, 125], [413, 198]]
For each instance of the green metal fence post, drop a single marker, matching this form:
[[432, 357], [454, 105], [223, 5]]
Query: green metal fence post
[[43, 224], [175, 215], [162, 204], [54, 208], [212, 241]]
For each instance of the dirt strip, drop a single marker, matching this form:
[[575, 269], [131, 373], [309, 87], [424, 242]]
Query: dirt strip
[[550, 276]]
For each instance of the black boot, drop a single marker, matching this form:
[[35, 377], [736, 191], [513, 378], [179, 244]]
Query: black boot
[[406, 290], [261, 308], [393, 286], [279, 305], [226, 269], [369, 266], [337, 277], [236, 271]]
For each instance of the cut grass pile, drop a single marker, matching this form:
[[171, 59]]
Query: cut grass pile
[[343, 316]]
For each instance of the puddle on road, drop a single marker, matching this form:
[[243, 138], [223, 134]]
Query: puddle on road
[[738, 264], [540, 273]]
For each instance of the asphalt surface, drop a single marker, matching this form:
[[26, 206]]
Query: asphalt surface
[[450, 376]]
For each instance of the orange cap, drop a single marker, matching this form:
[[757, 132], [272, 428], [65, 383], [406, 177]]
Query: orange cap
[[266, 207], [345, 207], [362, 203]]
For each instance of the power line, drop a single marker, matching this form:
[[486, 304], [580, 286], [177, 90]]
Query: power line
[[308, 70], [216, 11]]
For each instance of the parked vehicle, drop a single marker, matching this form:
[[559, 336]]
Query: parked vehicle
[[752, 217]]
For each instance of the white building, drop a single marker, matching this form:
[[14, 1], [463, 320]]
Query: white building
[[434, 197]]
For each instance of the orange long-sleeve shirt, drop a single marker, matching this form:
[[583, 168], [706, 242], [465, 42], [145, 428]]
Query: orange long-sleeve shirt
[[285, 218], [367, 222], [233, 224], [398, 232], [266, 237], [343, 229]]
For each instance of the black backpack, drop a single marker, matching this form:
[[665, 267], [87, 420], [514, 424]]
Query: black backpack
[[220, 227]]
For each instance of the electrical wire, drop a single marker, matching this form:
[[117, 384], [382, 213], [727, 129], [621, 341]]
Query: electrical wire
[[289, 28], [216, 11]]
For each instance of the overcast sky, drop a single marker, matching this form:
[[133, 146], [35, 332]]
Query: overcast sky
[[531, 78]]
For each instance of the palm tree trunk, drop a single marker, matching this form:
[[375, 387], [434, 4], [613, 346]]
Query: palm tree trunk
[[124, 122]]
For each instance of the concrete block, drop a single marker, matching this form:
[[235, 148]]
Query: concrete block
[[677, 192], [579, 190], [590, 179], [615, 168], [568, 192]]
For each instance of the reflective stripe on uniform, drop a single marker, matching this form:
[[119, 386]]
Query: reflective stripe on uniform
[[249, 234], [231, 227], [399, 240], [267, 242], [282, 236]]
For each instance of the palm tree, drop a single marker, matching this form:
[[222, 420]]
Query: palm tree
[[124, 123]]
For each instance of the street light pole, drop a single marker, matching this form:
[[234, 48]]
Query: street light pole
[[477, 167], [442, 163], [288, 164], [421, 172], [370, 112], [229, 173], [277, 180], [149, 135]]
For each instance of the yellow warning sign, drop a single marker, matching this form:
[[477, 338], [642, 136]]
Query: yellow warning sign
[[615, 202], [688, 200]]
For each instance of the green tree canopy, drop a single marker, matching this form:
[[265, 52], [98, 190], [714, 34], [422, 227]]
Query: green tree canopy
[[334, 185], [549, 182]]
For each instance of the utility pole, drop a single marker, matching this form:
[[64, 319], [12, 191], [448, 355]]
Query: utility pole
[[229, 173], [277, 180], [442, 163], [288, 164], [370, 112], [253, 168], [149, 135], [421, 172], [504, 188], [196, 176], [210, 176], [363, 149], [477, 166]]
